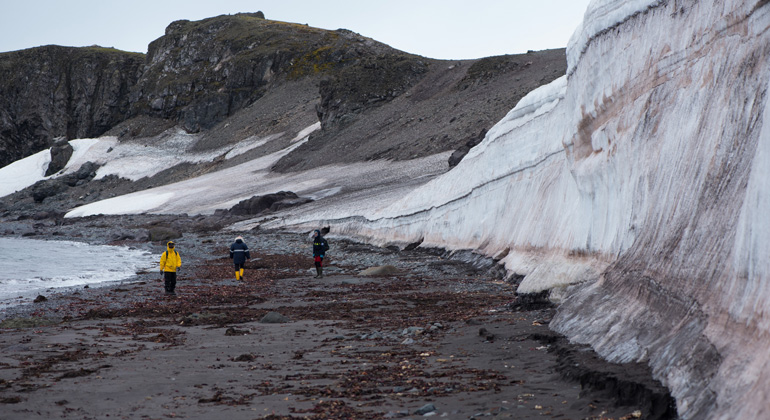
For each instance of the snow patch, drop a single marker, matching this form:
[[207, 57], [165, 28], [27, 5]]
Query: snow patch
[[24, 172], [302, 135], [134, 203]]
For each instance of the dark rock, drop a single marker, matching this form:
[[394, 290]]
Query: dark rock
[[531, 301], [460, 153], [284, 204], [61, 152], [44, 215], [40, 298], [413, 245], [87, 170], [425, 409], [258, 14], [269, 202], [234, 332], [630, 384], [54, 91], [160, 233], [274, 318], [47, 188], [122, 236], [245, 358], [483, 332], [396, 414]]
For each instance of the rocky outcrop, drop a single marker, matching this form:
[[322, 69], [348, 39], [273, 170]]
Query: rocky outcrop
[[51, 187], [53, 91], [200, 73], [196, 75], [61, 152], [463, 150], [374, 102], [371, 80], [398, 109], [269, 202]]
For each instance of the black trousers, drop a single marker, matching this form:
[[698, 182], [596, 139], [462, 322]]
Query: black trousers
[[170, 279]]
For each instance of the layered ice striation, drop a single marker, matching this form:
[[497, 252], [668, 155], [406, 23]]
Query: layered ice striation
[[641, 179]]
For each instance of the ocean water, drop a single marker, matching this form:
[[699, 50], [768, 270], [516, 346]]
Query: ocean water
[[30, 267]]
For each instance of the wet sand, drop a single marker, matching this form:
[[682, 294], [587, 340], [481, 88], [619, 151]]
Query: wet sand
[[437, 338]]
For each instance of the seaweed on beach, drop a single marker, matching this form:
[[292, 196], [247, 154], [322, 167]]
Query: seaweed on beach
[[31, 322]]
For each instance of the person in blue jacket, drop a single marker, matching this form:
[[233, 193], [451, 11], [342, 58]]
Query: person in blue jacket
[[239, 252], [320, 246]]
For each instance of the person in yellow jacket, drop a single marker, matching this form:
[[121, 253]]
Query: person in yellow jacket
[[170, 261]]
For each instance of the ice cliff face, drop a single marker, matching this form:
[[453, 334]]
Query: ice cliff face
[[641, 179]]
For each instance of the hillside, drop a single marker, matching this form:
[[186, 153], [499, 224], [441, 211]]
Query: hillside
[[230, 77]]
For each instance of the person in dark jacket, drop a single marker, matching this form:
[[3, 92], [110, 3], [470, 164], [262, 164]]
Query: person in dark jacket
[[239, 252], [320, 246]]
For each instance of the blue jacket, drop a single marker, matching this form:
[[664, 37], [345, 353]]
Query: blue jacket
[[320, 246], [239, 252]]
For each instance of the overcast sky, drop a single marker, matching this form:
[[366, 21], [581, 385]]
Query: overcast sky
[[445, 29]]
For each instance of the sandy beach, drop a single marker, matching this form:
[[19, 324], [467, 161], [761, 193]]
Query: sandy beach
[[434, 336]]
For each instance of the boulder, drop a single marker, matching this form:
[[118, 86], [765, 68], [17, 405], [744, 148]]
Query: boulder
[[274, 318], [61, 152], [270, 202], [46, 188], [87, 170], [463, 150], [425, 409], [160, 233]]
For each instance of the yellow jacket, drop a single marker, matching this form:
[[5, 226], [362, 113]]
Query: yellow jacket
[[170, 260]]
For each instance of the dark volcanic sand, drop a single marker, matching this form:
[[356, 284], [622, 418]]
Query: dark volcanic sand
[[438, 332]]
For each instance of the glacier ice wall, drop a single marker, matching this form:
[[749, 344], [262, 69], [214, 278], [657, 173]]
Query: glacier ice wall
[[637, 186]]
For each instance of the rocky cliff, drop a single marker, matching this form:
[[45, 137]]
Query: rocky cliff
[[202, 72], [233, 72], [53, 91]]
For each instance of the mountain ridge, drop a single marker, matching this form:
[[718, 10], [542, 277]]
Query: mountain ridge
[[202, 74]]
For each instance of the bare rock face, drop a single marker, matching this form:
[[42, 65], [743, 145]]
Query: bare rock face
[[200, 73], [61, 152], [400, 108], [54, 91]]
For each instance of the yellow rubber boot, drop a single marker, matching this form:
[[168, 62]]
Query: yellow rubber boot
[[241, 274], [237, 275]]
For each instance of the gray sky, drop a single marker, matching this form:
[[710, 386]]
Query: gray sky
[[445, 29]]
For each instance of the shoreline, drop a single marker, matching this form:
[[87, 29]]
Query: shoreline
[[437, 334], [37, 270]]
